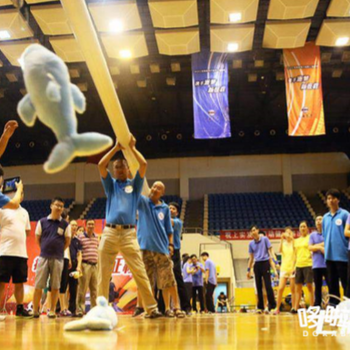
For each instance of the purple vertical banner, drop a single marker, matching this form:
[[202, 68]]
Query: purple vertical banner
[[210, 95]]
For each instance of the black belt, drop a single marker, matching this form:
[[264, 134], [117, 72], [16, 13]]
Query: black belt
[[120, 227], [89, 262]]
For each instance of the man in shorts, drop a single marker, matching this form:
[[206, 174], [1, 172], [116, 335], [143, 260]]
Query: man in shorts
[[53, 237], [14, 229], [155, 233]]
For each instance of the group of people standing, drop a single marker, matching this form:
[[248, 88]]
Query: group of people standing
[[316, 259], [200, 281], [74, 256]]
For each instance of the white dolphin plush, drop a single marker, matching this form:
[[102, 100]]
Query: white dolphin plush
[[100, 317], [53, 99]]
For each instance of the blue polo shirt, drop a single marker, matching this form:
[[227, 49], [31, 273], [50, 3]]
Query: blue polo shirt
[[187, 277], [335, 242], [122, 198], [177, 233], [197, 277], [53, 233], [74, 248], [3, 200], [260, 248], [209, 265], [154, 226]]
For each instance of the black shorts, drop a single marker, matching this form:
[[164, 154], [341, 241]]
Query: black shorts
[[13, 267], [304, 275]]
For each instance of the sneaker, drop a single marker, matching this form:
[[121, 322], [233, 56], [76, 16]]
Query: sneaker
[[258, 311], [36, 315], [69, 314], [138, 311], [276, 312], [188, 313], [266, 312], [63, 313], [79, 314], [169, 313], [2, 317], [155, 314], [293, 311], [51, 315], [21, 312]]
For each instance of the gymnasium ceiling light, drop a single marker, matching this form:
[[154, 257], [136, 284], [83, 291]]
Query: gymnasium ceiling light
[[4, 35], [337, 73], [116, 26], [142, 83], [154, 68], [342, 41], [175, 67], [125, 54], [235, 17]]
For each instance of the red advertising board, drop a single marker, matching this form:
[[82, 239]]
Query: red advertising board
[[243, 235]]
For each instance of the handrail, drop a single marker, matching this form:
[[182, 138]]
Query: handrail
[[192, 230]]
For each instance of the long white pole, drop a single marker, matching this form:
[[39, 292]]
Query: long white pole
[[84, 32]]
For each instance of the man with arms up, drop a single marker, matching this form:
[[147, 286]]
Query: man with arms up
[[119, 234]]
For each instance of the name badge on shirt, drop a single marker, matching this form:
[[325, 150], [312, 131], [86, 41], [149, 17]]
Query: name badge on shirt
[[339, 222], [160, 216], [60, 231], [128, 189]]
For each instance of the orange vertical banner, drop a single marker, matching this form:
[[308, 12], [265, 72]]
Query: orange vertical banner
[[302, 69]]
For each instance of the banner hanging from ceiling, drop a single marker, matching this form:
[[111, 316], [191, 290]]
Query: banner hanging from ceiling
[[302, 69], [210, 95]]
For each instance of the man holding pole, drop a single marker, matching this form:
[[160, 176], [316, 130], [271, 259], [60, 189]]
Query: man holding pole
[[119, 234]]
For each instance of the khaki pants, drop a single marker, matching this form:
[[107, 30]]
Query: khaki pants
[[112, 242], [87, 280]]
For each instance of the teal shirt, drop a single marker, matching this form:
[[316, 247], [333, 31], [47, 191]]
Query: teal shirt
[[335, 242]]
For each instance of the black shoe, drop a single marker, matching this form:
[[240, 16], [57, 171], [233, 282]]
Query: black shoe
[[293, 311], [21, 312], [138, 311], [155, 314]]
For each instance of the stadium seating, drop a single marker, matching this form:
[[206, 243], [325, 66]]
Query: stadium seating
[[38, 209], [98, 207], [267, 210]]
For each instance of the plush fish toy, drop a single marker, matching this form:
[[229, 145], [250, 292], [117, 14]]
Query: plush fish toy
[[101, 317], [53, 100]]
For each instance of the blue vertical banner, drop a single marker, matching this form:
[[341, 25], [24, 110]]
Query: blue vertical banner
[[210, 95]]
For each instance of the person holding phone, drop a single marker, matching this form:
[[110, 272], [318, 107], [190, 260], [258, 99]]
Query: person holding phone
[[14, 229]]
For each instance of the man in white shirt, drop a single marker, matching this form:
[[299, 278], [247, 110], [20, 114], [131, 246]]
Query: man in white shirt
[[14, 229]]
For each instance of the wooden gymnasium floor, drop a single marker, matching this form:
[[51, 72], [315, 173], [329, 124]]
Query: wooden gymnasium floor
[[224, 331]]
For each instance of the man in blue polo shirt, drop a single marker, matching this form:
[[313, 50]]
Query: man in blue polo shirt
[[53, 237], [197, 287], [210, 281], [260, 251], [176, 257], [155, 233], [119, 235], [335, 244]]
